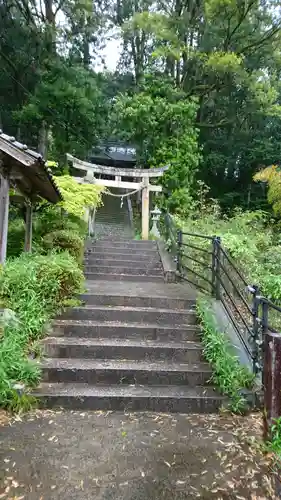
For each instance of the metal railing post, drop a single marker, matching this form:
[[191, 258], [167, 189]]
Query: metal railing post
[[265, 326], [179, 249], [265, 309], [256, 326], [216, 267]]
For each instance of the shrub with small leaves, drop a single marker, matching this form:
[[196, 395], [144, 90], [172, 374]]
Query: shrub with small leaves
[[63, 240]]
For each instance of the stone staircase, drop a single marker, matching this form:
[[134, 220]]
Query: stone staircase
[[112, 218], [123, 260], [133, 345]]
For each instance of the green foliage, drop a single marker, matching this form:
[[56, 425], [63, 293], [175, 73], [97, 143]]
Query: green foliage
[[64, 221], [47, 219], [228, 375], [68, 99], [16, 233], [62, 240], [161, 122], [251, 239], [233, 69], [34, 287], [77, 197], [274, 445], [52, 218], [272, 176], [220, 57]]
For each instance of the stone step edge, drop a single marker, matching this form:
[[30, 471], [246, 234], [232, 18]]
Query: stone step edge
[[83, 390], [124, 270], [101, 246], [89, 307], [115, 342], [145, 253], [120, 364], [135, 277], [118, 324], [110, 293], [90, 261]]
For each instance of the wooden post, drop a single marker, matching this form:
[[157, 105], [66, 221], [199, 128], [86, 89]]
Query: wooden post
[[145, 209], [4, 217], [28, 229], [271, 380]]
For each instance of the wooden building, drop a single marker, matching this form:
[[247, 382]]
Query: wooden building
[[26, 171]]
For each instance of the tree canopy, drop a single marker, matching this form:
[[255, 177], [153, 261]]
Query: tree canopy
[[197, 86]]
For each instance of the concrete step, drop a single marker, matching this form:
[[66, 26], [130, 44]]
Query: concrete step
[[114, 269], [182, 399], [109, 221], [129, 244], [111, 329], [108, 371], [149, 350], [137, 252], [126, 260], [131, 315], [125, 277], [106, 228], [102, 299]]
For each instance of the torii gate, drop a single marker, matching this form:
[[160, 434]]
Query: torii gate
[[117, 174]]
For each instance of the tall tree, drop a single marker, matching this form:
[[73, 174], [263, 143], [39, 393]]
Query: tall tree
[[49, 99], [226, 53]]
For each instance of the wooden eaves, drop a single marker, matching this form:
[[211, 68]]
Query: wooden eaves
[[25, 170]]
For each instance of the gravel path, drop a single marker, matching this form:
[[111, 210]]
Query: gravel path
[[49, 455]]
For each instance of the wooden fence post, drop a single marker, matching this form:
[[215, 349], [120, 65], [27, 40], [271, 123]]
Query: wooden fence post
[[28, 229], [4, 217], [271, 380]]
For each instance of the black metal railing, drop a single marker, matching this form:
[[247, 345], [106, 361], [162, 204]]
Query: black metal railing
[[203, 262]]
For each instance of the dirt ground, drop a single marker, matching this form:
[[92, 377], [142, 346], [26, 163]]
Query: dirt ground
[[64, 455]]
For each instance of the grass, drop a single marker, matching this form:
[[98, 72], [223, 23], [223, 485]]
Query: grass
[[274, 445], [228, 375], [34, 288]]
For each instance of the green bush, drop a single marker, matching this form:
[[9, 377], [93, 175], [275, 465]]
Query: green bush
[[35, 288], [16, 232], [250, 239], [52, 218], [62, 240], [228, 375]]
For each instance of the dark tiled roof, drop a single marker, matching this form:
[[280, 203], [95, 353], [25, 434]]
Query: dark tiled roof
[[32, 166]]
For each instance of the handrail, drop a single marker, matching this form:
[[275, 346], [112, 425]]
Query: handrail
[[189, 245], [270, 304], [236, 289], [249, 314], [196, 235], [233, 266], [197, 274]]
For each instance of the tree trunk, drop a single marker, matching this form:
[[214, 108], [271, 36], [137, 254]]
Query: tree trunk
[[43, 140], [86, 42]]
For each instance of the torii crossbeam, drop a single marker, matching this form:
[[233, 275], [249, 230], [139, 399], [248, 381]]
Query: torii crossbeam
[[117, 174]]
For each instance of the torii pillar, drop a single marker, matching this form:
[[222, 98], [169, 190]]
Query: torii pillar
[[145, 209]]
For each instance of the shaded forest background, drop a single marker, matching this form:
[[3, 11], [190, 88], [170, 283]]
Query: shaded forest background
[[197, 86]]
